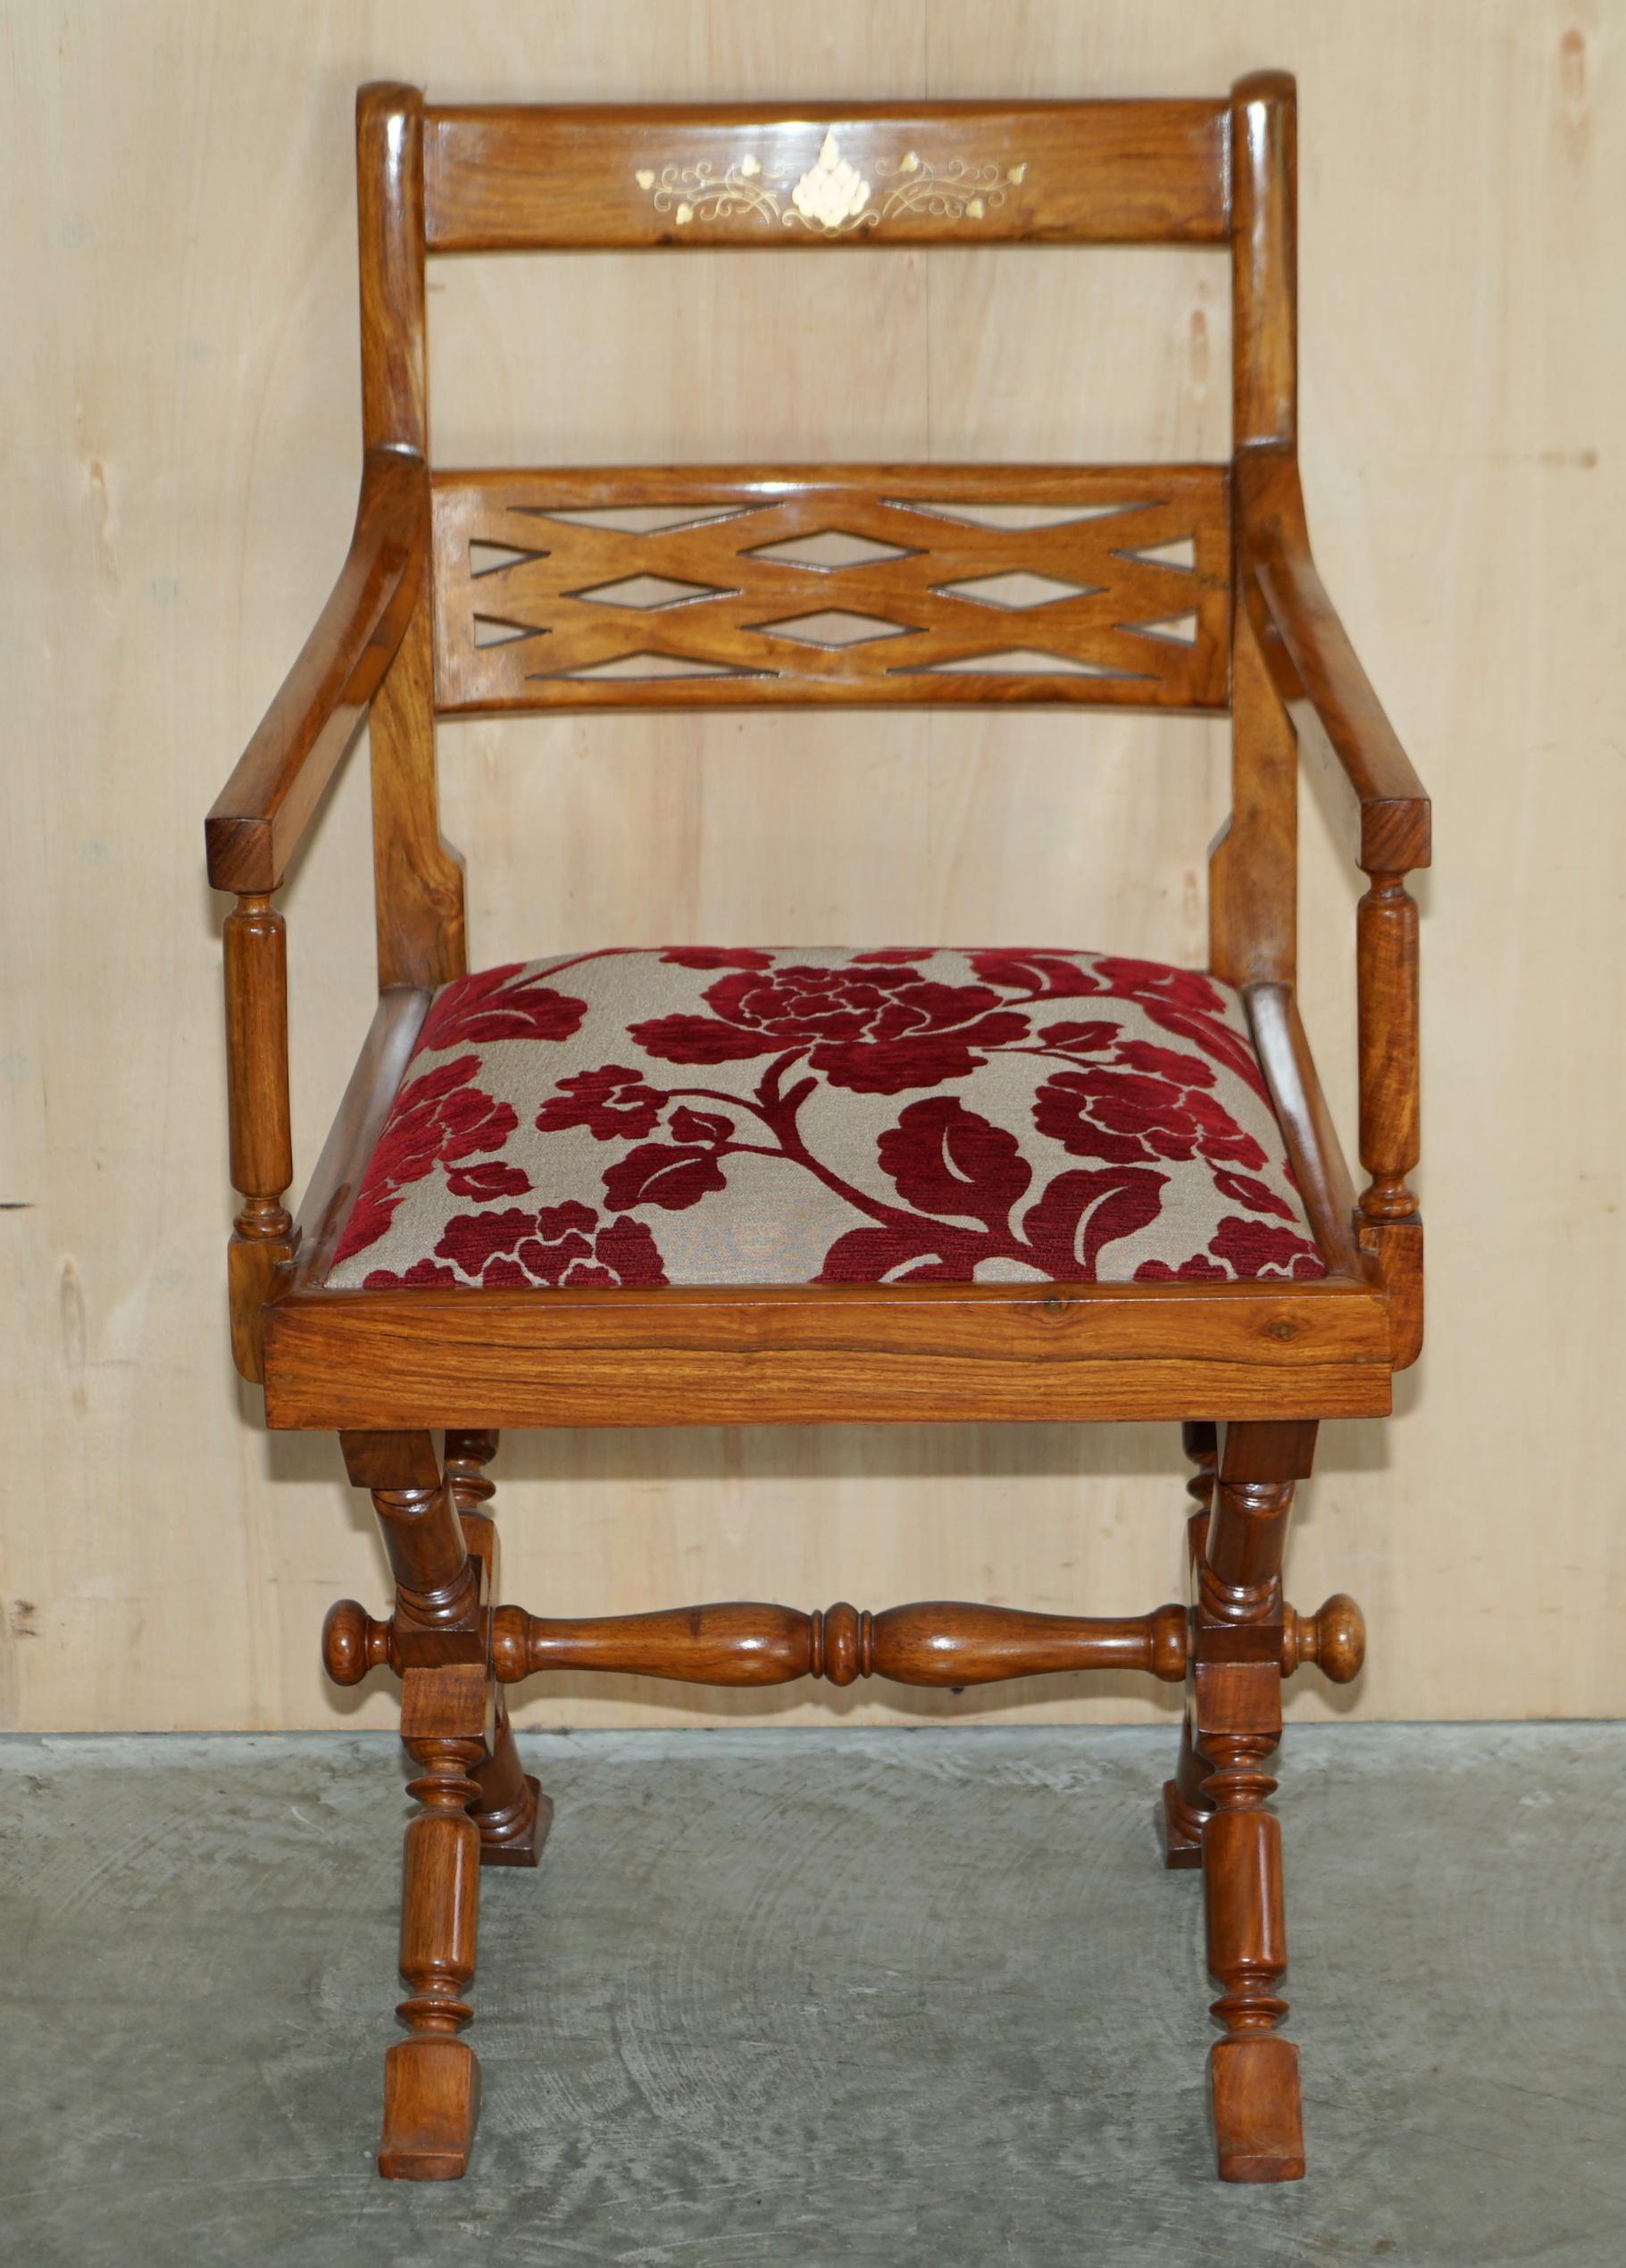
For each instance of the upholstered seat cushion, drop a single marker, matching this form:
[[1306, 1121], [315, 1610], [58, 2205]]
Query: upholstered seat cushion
[[697, 1116]]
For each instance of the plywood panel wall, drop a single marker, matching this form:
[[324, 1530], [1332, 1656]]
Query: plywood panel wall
[[178, 456]]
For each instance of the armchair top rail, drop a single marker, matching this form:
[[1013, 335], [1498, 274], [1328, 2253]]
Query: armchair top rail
[[604, 176]]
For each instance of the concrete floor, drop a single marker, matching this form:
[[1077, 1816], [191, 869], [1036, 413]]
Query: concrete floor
[[922, 1999]]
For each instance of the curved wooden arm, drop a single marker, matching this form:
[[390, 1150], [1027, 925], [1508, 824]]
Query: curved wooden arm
[[1327, 693], [261, 812]]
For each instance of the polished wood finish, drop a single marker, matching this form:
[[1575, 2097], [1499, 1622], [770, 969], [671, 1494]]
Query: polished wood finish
[[513, 1814], [265, 807], [1183, 1810], [944, 1642], [733, 598], [467, 592], [1329, 696], [431, 2078], [887, 1353], [418, 887], [933, 1642], [1237, 1646], [1105, 172], [256, 965]]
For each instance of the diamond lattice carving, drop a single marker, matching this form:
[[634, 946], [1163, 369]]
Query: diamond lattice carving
[[829, 548], [705, 587], [835, 627], [1017, 591], [647, 594]]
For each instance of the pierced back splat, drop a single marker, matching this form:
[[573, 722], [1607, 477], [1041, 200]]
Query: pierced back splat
[[860, 584]]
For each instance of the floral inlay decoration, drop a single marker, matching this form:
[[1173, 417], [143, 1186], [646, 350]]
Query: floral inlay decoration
[[832, 198]]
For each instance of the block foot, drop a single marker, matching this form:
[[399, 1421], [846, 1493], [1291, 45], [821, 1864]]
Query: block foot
[[514, 1837], [431, 2101], [1181, 1828], [1258, 2125]]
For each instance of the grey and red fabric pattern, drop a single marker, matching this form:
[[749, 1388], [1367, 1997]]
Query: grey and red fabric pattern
[[698, 1115]]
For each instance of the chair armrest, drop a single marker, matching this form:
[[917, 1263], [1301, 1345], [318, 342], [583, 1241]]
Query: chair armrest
[[1327, 693], [262, 809]]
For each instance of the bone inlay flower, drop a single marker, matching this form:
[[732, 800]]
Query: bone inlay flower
[[832, 198], [831, 191]]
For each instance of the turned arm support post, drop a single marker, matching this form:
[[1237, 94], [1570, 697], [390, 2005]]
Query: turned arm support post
[[1337, 717], [250, 833], [256, 958]]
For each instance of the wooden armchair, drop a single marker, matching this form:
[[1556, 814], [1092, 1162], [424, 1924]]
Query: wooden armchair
[[749, 1186]]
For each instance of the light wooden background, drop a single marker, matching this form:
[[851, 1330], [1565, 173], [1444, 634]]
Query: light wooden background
[[178, 455]]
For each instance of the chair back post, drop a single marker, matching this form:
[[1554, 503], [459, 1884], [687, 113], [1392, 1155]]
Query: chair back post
[[418, 884], [1253, 869]]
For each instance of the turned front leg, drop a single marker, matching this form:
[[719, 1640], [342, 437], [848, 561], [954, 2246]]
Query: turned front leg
[[1239, 1643], [431, 2078], [1184, 1806], [511, 1812], [440, 1641]]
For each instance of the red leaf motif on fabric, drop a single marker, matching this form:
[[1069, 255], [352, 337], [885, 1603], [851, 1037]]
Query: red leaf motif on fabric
[[1254, 1248], [699, 1039], [499, 1004], [944, 1159], [421, 1274], [1053, 975], [874, 1031], [1196, 1270], [716, 956], [473, 1238], [557, 1244], [658, 1173], [1165, 1062], [879, 1255], [1088, 1038], [689, 1125], [1257, 1195], [439, 1116], [1187, 988], [487, 1182], [891, 1066], [612, 1103], [1082, 1212]]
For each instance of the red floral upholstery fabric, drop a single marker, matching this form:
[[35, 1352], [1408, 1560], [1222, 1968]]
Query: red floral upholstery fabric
[[698, 1116]]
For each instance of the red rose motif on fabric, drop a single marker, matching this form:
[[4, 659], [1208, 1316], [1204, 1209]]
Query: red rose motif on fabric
[[557, 1244], [1183, 1001], [876, 1032], [509, 1003], [1254, 1248], [1124, 1114], [437, 1117], [611, 1104], [1199, 1269], [1122, 1129]]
